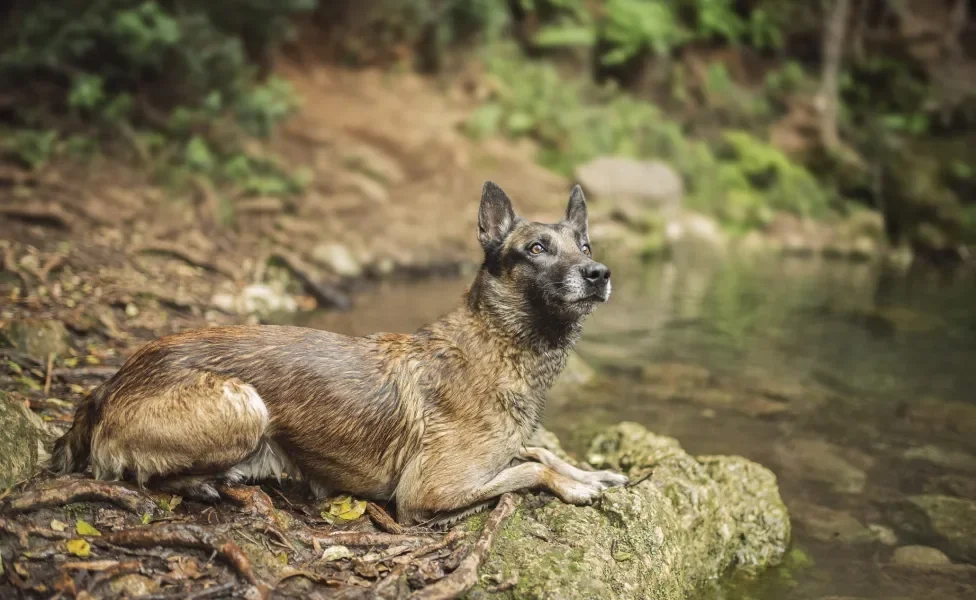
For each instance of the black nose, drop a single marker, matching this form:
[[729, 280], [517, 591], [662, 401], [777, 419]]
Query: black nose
[[596, 273]]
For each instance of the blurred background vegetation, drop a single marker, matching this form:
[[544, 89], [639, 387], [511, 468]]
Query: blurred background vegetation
[[816, 107]]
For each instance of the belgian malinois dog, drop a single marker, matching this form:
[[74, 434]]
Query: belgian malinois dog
[[438, 421]]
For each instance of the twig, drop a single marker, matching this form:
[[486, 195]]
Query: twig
[[47, 374], [52, 263], [251, 499], [640, 479], [86, 489], [466, 575], [191, 536], [382, 519], [10, 265], [186, 255], [197, 595]]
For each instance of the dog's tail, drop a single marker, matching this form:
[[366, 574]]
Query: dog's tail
[[73, 449]]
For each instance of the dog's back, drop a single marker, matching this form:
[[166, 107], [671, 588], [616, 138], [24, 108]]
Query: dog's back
[[310, 393]]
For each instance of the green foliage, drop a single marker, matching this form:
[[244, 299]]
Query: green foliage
[[31, 147], [159, 74], [574, 121]]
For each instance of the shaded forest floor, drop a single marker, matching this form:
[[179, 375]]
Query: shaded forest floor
[[98, 260]]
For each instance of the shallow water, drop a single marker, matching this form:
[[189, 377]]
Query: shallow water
[[852, 383]]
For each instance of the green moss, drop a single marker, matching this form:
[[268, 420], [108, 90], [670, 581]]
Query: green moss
[[686, 525], [18, 444]]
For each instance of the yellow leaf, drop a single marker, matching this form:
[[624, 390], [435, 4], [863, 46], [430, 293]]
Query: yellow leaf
[[283, 558], [344, 509], [58, 525], [71, 363], [84, 528], [174, 502], [79, 548], [92, 360], [146, 518]]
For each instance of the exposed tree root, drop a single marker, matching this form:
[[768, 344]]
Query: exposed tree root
[[359, 538], [187, 536], [119, 494], [466, 575], [187, 255], [252, 500]]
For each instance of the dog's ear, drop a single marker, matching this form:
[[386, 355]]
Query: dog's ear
[[576, 211], [496, 218]]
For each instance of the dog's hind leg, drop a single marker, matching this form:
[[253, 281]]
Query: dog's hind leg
[[183, 436]]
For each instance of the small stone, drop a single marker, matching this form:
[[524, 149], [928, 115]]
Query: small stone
[[134, 585], [820, 461], [829, 525], [131, 310], [885, 535], [940, 457], [919, 555], [336, 553], [338, 259]]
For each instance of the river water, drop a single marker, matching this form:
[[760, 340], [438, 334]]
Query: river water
[[853, 383]]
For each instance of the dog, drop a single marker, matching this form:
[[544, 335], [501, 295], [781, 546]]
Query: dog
[[439, 421]]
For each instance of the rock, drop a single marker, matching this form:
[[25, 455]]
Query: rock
[[960, 486], [695, 229], [338, 259], [943, 521], [633, 187], [374, 162], [614, 177], [829, 525], [689, 523], [947, 459], [577, 372], [257, 299], [919, 555], [823, 462], [18, 443], [885, 535], [134, 585], [941, 416], [38, 337]]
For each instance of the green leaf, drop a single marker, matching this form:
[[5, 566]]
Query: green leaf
[[556, 36]]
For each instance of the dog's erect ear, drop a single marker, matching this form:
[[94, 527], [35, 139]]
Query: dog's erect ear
[[496, 218], [576, 211]]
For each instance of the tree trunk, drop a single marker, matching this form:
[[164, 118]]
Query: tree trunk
[[835, 31]]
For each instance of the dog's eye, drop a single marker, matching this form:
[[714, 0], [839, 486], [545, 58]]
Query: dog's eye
[[537, 248], [586, 249]]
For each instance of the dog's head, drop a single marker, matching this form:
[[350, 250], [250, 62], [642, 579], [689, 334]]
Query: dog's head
[[546, 268]]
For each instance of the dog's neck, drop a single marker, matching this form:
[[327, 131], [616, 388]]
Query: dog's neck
[[515, 319]]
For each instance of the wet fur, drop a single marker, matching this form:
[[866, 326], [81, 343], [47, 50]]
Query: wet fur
[[437, 421]]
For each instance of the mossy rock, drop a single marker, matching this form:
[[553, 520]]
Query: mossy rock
[[18, 443], [38, 338], [692, 521], [942, 521]]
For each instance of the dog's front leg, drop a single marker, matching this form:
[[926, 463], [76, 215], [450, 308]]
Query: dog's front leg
[[533, 475], [600, 479]]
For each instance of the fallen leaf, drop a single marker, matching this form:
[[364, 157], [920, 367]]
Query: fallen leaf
[[71, 363], [168, 504], [92, 360], [21, 570], [146, 518], [343, 509], [336, 553], [283, 558], [58, 525], [14, 367], [76, 389], [85, 528], [94, 565], [79, 548]]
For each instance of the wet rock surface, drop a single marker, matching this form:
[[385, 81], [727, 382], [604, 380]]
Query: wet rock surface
[[945, 522], [686, 521], [18, 443]]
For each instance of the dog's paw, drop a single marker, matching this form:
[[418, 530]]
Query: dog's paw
[[580, 493], [605, 479]]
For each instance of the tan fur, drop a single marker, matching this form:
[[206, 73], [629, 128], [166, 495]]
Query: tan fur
[[437, 421]]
